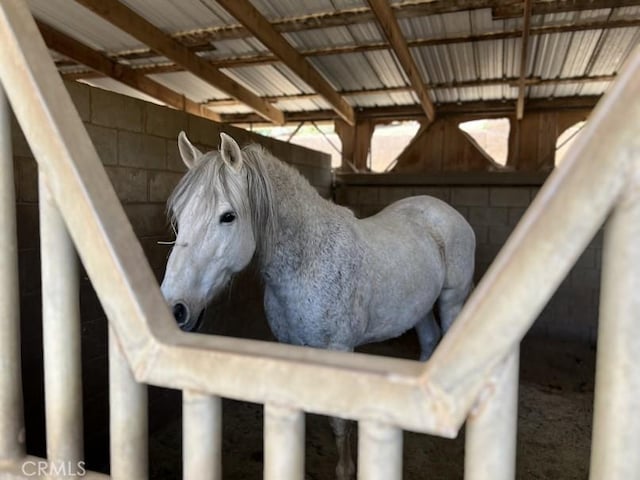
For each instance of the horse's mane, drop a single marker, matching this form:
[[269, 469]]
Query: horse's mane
[[210, 171]]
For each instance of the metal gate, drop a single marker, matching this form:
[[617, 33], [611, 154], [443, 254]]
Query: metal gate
[[472, 376]]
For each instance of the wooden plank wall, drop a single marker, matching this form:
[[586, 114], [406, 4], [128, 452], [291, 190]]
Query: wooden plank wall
[[443, 147]]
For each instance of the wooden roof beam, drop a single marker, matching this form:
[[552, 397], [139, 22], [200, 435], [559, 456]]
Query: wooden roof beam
[[482, 109], [260, 27], [524, 48], [138, 27], [391, 29], [72, 48]]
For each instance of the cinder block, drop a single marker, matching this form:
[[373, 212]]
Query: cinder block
[[509, 196], [116, 111], [470, 196], [388, 195], [482, 233], [486, 253], [129, 183], [105, 140], [164, 122], [368, 195], [174, 160], [203, 131], [143, 151], [498, 234], [161, 184], [443, 193], [515, 214], [369, 210], [157, 254], [148, 219], [341, 195], [488, 216], [81, 97]]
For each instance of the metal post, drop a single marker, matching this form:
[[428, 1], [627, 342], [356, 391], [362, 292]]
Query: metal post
[[379, 451], [490, 442], [60, 334], [201, 436], [128, 412], [11, 412], [283, 443], [616, 426]]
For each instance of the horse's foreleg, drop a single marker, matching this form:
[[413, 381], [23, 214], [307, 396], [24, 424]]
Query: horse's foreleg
[[428, 335], [343, 431]]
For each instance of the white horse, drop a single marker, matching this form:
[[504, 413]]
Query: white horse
[[331, 280]]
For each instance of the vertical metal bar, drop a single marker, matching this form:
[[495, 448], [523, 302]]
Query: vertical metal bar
[[379, 451], [616, 426], [490, 442], [201, 436], [128, 418], [283, 443], [11, 409], [60, 333]]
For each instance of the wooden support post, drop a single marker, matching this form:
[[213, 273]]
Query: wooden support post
[[356, 143]]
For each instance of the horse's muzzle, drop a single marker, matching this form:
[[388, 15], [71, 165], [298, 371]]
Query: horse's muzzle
[[185, 321]]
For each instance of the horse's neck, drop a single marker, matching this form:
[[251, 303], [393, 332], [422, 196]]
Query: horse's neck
[[304, 220]]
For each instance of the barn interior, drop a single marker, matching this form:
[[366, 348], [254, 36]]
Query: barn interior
[[318, 83]]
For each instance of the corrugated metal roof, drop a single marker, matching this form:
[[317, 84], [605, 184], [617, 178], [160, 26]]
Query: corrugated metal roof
[[78, 22], [594, 52]]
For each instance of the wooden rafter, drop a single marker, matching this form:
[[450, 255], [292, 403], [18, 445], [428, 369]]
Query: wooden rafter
[[260, 27], [391, 29], [71, 48], [138, 27], [524, 48]]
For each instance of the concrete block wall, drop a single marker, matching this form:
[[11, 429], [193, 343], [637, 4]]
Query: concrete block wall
[[493, 204], [136, 142]]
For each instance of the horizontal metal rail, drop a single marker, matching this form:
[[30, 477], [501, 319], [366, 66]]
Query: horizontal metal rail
[[387, 395]]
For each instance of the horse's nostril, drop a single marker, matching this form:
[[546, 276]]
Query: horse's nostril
[[180, 313]]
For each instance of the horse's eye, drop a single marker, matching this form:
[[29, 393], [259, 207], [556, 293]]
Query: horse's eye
[[227, 217]]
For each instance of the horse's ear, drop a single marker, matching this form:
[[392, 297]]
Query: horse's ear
[[188, 151], [230, 151]]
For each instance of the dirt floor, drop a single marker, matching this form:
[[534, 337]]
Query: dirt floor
[[555, 410]]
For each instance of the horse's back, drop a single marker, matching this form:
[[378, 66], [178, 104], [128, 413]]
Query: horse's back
[[448, 228]]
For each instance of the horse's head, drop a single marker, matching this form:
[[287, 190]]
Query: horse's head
[[211, 210]]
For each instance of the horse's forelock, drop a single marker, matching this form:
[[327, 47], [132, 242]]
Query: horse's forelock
[[211, 174]]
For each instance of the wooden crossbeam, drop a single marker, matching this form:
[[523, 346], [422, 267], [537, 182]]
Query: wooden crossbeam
[[391, 28], [260, 27], [481, 109], [72, 48], [138, 27], [512, 81], [524, 48], [543, 7]]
